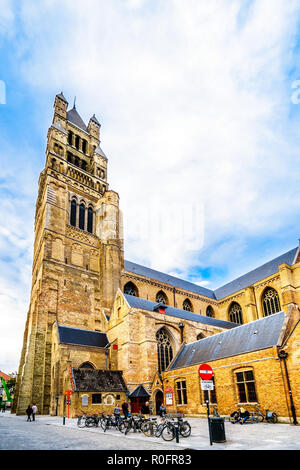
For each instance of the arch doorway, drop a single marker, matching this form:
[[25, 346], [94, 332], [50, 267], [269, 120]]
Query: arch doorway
[[159, 399]]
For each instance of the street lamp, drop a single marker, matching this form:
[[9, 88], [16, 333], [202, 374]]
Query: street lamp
[[283, 355]]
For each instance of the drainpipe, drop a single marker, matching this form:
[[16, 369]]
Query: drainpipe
[[174, 301], [283, 355]]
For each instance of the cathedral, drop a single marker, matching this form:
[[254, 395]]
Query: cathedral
[[110, 330]]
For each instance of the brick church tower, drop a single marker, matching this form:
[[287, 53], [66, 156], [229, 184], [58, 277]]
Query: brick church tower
[[78, 249]]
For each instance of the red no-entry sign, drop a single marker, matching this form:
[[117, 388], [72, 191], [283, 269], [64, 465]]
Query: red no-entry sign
[[205, 372]]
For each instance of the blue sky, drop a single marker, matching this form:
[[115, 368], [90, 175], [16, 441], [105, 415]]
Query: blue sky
[[200, 111]]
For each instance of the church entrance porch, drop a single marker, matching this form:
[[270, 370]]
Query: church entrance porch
[[158, 400], [137, 398]]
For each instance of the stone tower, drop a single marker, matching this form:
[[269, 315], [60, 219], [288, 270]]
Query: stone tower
[[78, 248]]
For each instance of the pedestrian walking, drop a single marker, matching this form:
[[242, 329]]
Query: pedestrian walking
[[29, 412], [34, 411], [117, 412], [125, 409]]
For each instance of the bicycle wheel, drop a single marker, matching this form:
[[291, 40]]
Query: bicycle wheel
[[260, 417], [149, 429], [121, 426], [81, 422], [159, 430], [168, 432], [185, 429], [90, 422]]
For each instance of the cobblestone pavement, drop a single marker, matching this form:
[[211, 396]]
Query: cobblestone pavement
[[49, 433]]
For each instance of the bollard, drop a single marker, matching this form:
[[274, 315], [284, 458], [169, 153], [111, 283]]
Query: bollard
[[64, 420], [177, 433]]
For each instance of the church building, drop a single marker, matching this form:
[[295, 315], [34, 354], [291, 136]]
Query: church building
[[111, 330]]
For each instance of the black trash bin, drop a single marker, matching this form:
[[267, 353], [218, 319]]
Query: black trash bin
[[217, 429]]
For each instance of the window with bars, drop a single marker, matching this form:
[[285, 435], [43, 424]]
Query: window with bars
[[235, 313], [246, 386], [181, 392], [164, 350], [270, 301]]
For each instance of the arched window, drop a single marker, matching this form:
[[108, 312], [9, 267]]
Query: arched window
[[84, 145], [187, 305], [164, 349], [130, 289], [210, 311], [161, 297], [270, 301], [90, 220], [86, 365], [73, 213], [77, 139], [235, 313], [81, 216]]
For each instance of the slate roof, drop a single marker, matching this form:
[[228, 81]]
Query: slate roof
[[61, 96], [167, 279], [58, 125], [99, 151], [143, 304], [255, 275], [81, 337], [241, 282], [75, 118], [91, 380], [253, 336], [139, 392]]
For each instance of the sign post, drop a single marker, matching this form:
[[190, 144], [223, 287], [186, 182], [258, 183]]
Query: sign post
[[68, 394], [206, 373]]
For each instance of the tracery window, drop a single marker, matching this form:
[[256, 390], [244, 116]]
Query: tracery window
[[130, 289], [161, 297], [270, 301], [187, 305], [235, 313], [210, 311], [164, 349]]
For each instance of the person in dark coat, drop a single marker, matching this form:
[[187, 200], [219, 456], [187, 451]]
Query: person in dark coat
[[125, 409], [145, 409], [29, 412], [162, 410]]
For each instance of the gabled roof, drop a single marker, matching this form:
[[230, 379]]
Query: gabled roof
[[139, 392], [81, 337], [75, 118], [167, 279], [143, 304], [241, 282], [91, 380], [253, 336]]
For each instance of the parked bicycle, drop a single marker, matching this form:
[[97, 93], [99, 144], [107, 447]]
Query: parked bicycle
[[149, 427], [269, 416], [81, 420], [167, 429], [134, 423], [111, 421]]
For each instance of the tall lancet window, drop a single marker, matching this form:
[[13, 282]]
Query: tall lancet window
[[73, 213], [81, 216], [90, 220], [164, 349]]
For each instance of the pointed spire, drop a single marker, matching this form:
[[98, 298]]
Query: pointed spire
[[61, 97], [74, 105]]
